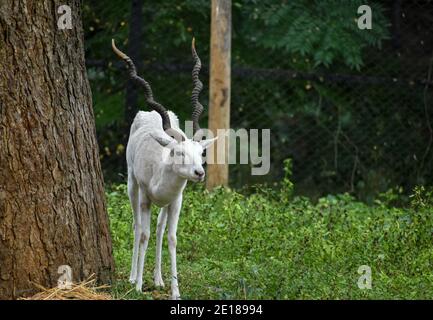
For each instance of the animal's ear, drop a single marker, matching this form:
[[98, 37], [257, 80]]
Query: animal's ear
[[163, 140], [208, 142]]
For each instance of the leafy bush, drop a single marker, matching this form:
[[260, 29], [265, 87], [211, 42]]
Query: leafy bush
[[269, 245], [325, 31]]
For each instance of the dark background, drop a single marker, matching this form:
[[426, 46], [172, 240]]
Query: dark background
[[352, 108]]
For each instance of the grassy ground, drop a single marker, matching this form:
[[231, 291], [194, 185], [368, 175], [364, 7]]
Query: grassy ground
[[269, 245]]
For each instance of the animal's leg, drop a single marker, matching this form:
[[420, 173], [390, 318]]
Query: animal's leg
[[133, 198], [162, 220], [173, 218], [144, 236]]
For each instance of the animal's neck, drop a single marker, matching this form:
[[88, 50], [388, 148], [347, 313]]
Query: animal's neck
[[170, 183]]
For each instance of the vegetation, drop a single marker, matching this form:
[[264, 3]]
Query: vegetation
[[271, 245]]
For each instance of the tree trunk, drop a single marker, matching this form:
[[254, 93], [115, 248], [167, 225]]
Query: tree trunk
[[52, 205]]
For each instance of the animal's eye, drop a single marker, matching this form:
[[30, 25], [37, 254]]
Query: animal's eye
[[180, 153]]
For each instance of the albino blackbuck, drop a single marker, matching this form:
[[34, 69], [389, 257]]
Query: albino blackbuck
[[161, 159]]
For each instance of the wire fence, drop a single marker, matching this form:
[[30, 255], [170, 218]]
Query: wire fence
[[352, 108]]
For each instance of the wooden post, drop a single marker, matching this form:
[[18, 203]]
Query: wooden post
[[219, 86]]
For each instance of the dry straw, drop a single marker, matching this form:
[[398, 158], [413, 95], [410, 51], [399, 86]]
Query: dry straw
[[85, 290]]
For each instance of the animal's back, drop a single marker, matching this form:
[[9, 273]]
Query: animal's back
[[150, 121], [142, 148]]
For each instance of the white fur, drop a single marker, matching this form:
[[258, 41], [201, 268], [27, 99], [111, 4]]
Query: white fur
[[155, 177]]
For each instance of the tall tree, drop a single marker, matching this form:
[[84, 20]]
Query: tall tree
[[52, 206]]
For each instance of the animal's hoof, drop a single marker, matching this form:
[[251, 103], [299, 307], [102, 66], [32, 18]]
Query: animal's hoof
[[157, 280], [175, 295], [159, 283], [138, 287], [132, 280]]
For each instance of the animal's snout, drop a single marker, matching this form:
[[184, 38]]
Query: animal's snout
[[199, 173]]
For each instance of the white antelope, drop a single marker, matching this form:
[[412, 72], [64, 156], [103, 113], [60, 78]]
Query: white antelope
[[161, 159]]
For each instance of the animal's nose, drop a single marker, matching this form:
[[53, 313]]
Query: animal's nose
[[199, 173]]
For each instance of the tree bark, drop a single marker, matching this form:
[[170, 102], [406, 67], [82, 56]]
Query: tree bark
[[52, 205]]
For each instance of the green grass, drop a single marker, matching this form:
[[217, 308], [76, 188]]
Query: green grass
[[269, 245]]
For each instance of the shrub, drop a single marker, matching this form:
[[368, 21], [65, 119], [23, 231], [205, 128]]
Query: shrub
[[267, 245]]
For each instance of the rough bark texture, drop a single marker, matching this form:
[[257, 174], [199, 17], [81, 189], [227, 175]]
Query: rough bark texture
[[52, 205]]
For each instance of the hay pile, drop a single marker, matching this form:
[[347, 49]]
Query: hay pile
[[86, 290]]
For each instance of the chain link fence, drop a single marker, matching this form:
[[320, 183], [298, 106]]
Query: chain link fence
[[352, 108]]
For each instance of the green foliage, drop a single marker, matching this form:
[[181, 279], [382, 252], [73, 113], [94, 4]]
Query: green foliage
[[422, 198], [325, 31], [287, 186], [266, 246]]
